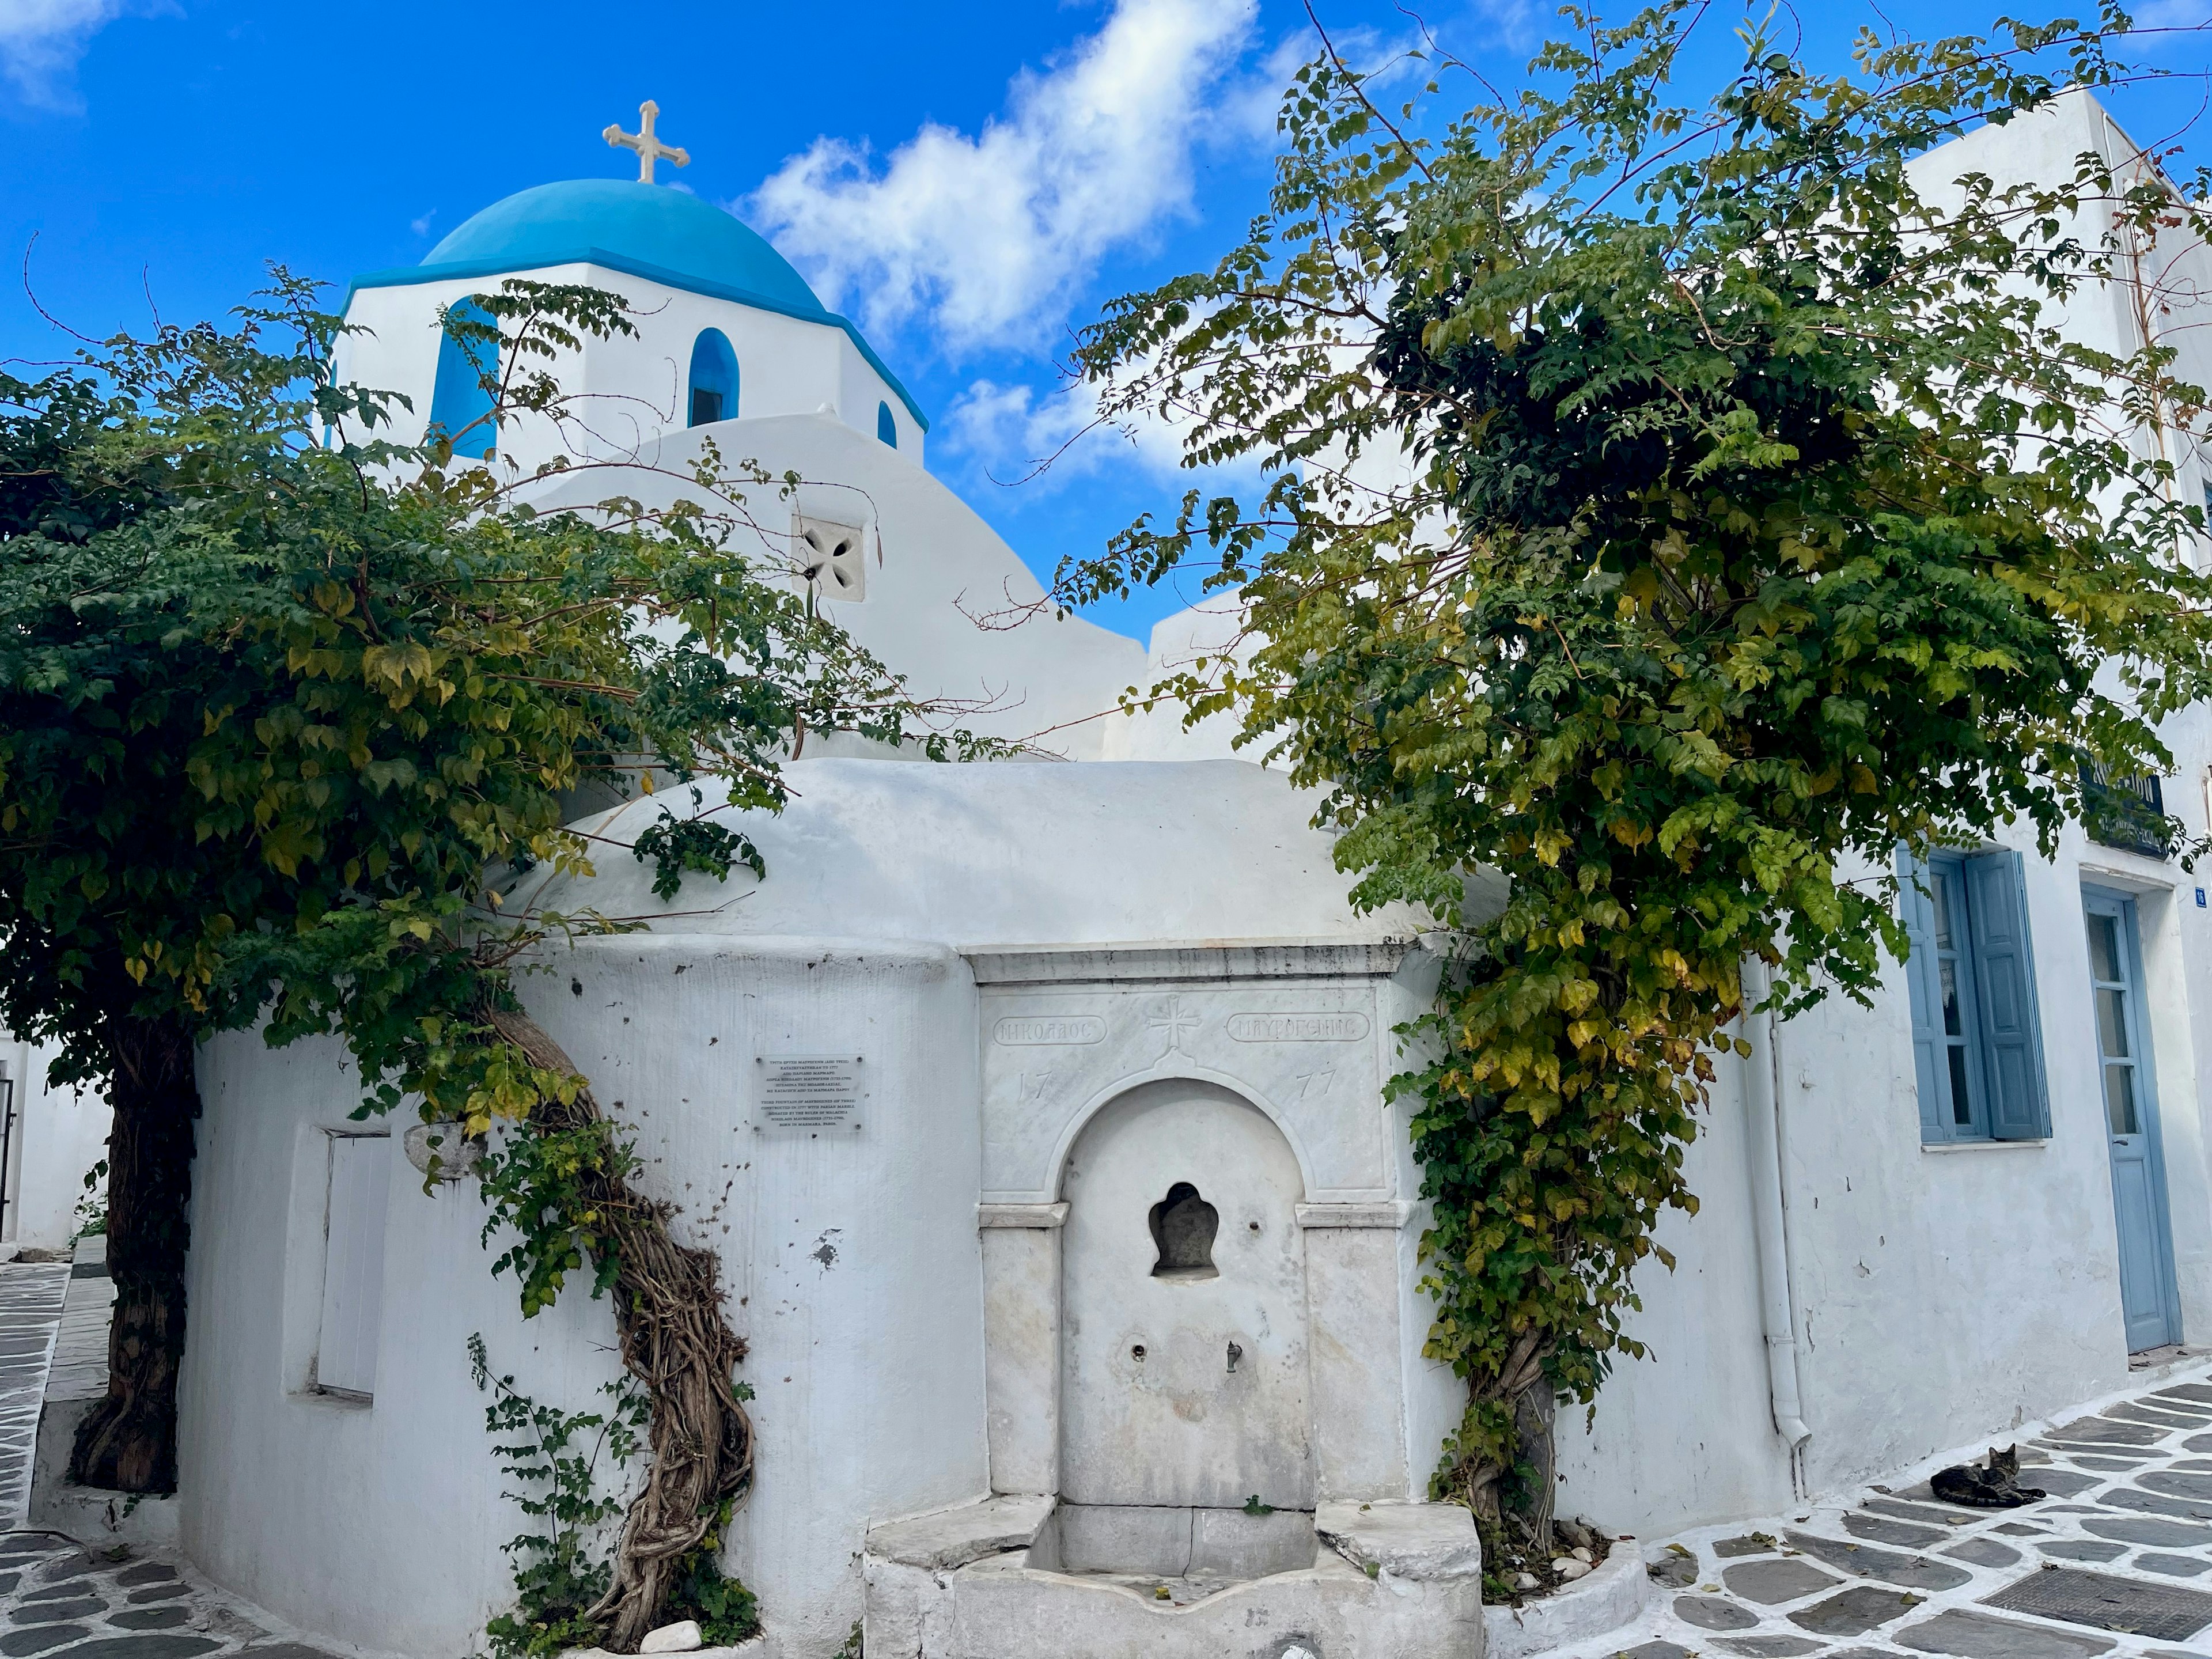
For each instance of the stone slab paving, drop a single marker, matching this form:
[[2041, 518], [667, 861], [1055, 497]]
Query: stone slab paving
[[80, 1365], [58, 1601], [31, 1295], [2115, 1563]]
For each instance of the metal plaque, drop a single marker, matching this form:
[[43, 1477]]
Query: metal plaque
[[809, 1091]]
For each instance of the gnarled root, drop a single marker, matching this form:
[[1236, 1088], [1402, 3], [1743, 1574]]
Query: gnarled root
[[668, 1308]]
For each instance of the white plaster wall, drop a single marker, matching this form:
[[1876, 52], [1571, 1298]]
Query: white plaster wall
[[807, 405], [60, 1134], [851, 1263], [1940, 1295], [1996, 1266], [2177, 945], [2162, 288], [992, 855], [934, 566], [630, 388], [1204, 634], [1684, 1434]]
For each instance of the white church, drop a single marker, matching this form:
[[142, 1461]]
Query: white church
[[1036, 1112]]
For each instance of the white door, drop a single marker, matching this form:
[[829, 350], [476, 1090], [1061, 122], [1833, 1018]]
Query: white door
[[2149, 1301], [1183, 1307]]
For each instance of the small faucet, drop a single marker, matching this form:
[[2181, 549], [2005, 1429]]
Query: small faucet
[[1235, 1353]]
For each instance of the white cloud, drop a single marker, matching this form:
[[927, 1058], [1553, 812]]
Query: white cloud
[[1012, 434], [41, 41], [991, 233], [2174, 15]]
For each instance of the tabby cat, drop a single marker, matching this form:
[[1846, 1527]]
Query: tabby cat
[[1994, 1487]]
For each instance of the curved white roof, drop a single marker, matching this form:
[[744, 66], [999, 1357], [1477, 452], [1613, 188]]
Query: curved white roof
[[1004, 854]]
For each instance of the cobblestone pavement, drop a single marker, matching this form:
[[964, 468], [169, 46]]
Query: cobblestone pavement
[[30, 1309], [56, 1598], [2117, 1560]]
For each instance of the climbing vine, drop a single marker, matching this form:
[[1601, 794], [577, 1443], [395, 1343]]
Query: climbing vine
[[554, 1459], [291, 713], [1672, 508]]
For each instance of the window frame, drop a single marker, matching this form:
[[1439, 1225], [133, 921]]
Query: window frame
[[461, 406], [2117, 907], [364, 1300], [1988, 1056], [714, 369]]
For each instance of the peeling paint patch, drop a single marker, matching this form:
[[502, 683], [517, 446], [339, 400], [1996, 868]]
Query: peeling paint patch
[[824, 1251]]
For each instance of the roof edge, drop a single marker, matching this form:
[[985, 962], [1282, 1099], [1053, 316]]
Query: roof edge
[[464, 269]]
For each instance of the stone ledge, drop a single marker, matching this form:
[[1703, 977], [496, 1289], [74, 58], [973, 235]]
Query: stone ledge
[[1392, 1214], [1417, 1543], [1229, 959], [952, 1538], [1036, 1218], [756, 1648], [99, 1518]]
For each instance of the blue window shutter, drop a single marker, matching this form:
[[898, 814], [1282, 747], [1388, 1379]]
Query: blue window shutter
[[1920, 977], [2004, 972]]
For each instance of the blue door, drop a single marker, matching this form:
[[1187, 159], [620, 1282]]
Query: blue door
[[2149, 1295]]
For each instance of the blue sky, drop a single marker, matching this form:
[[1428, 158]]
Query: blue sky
[[968, 178]]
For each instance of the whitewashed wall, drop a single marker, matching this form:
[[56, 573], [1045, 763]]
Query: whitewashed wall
[[630, 388], [852, 1272], [853, 1264], [60, 1134], [941, 569]]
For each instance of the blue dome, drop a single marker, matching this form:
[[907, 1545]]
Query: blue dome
[[641, 225]]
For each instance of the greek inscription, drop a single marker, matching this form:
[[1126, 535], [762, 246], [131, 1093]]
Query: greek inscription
[[1297, 1028], [1047, 1030]]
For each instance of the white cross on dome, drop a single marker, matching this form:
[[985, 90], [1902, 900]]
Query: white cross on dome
[[649, 149]]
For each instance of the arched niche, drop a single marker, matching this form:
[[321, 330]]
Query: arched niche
[[886, 425], [460, 399], [1184, 1353], [714, 380]]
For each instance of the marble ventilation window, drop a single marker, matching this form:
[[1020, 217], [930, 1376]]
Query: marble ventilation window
[[1183, 1226], [831, 562]]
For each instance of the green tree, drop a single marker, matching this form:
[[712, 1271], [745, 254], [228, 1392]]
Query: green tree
[[1675, 507], [284, 720]]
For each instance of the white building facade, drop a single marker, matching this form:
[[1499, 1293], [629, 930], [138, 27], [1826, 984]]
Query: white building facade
[[52, 1138], [1101, 1262]]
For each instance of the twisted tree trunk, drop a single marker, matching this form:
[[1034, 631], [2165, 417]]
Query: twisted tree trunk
[[1481, 1478], [668, 1308], [1535, 1421], [128, 1442]]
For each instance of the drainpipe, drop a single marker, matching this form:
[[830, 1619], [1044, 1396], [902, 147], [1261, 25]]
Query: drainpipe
[[1763, 1152]]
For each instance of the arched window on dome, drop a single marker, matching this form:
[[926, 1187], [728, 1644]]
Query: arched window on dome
[[713, 379], [886, 427], [460, 402]]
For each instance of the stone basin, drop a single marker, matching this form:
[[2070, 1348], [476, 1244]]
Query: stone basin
[[1014, 1578]]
